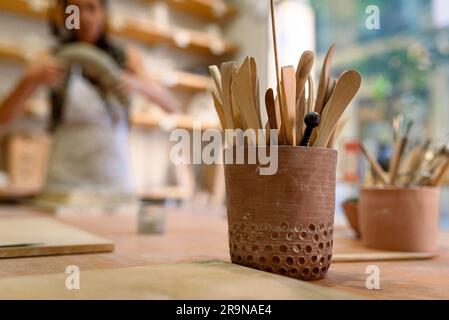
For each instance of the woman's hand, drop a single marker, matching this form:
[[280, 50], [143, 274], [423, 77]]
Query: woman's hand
[[130, 83], [45, 71]]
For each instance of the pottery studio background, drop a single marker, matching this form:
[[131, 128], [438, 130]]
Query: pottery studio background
[[404, 63]]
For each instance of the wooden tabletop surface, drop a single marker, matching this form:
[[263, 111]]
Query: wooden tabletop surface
[[194, 237]]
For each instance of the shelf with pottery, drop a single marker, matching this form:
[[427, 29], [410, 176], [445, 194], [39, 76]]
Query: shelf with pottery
[[173, 79], [178, 38], [209, 10]]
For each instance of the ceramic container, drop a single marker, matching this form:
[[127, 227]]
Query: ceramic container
[[351, 210], [283, 223], [400, 219]]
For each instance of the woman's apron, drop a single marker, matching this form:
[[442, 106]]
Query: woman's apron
[[90, 147]]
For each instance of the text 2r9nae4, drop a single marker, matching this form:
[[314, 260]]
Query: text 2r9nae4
[[235, 309]]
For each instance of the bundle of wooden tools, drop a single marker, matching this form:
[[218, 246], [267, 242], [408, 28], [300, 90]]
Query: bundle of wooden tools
[[300, 118], [420, 164]]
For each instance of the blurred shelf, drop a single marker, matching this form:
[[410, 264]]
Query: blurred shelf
[[17, 193], [181, 39], [11, 54], [169, 122], [209, 10], [172, 79], [165, 193], [181, 80]]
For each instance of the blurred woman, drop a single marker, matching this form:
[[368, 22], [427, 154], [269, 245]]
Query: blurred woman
[[90, 147]]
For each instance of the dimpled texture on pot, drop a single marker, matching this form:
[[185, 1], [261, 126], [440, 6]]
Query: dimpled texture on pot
[[284, 223]]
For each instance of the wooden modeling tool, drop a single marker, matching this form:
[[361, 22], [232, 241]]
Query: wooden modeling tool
[[380, 173], [215, 74], [324, 81], [255, 85], [227, 72], [271, 109], [277, 105], [310, 95], [402, 144], [301, 112], [276, 57], [338, 129], [241, 90], [347, 87], [219, 109], [289, 97], [330, 89], [303, 71], [312, 120]]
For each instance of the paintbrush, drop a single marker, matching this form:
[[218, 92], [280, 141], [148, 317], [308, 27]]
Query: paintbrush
[[401, 145], [412, 163], [380, 173], [439, 174]]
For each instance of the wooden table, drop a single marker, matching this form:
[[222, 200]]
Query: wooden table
[[192, 237]]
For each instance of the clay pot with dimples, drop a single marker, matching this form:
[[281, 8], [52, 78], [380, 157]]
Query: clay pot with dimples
[[283, 223], [400, 219]]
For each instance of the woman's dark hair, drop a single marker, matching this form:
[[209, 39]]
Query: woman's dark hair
[[64, 37]]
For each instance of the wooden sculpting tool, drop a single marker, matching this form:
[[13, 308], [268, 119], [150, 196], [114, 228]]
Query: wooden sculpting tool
[[255, 85], [347, 87], [303, 71], [338, 129], [241, 90], [227, 73], [324, 81], [289, 98], [277, 106], [300, 114], [276, 59], [330, 89], [215, 73], [220, 112], [311, 94], [271, 111], [312, 120]]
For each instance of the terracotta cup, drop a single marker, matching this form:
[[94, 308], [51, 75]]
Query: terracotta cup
[[283, 223], [400, 219]]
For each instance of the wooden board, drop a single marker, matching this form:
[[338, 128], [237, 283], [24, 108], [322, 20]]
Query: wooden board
[[381, 256], [44, 237], [347, 248], [201, 280]]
